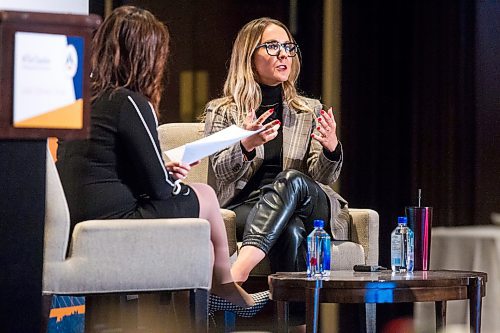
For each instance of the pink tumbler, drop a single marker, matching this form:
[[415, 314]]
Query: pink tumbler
[[420, 221]]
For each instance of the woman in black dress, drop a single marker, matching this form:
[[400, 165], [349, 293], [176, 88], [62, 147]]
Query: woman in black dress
[[118, 172]]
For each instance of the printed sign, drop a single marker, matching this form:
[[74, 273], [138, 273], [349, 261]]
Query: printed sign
[[48, 81], [67, 314]]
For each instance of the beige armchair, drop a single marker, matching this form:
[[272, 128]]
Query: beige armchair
[[362, 248], [124, 256]]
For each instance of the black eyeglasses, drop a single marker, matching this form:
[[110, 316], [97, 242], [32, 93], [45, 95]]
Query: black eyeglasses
[[273, 48]]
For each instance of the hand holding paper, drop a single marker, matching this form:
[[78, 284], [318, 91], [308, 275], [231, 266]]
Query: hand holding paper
[[179, 170], [196, 150]]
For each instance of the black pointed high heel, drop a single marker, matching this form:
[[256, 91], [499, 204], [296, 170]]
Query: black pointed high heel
[[216, 303]]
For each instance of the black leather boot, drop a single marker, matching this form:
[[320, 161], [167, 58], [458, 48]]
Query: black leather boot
[[289, 252], [292, 197]]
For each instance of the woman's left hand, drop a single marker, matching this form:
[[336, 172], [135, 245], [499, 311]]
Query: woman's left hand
[[328, 131], [179, 170]]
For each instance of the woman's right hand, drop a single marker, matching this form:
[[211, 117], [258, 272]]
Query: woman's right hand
[[252, 124], [179, 170]]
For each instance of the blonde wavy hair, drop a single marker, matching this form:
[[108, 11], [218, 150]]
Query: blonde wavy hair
[[241, 87]]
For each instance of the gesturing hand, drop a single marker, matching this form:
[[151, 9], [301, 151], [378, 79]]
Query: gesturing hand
[[179, 170], [328, 131], [252, 124]]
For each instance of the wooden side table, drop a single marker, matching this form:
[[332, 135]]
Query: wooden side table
[[378, 287]]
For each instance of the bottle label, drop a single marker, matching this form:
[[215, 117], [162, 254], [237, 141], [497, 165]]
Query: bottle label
[[326, 254], [411, 250], [396, 250]]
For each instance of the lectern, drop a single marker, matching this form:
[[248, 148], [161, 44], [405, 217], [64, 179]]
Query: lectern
[[44, 92]]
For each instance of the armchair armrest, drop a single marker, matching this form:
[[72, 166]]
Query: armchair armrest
[[365, 224], [160, 254]]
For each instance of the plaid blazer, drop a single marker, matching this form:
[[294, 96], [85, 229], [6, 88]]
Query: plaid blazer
[[231, 172]]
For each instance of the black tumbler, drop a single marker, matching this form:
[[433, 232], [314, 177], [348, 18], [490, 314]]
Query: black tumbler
[[420, 221]]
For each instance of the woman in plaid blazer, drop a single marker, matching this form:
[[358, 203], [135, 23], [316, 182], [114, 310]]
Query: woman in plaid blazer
[[277, 181]]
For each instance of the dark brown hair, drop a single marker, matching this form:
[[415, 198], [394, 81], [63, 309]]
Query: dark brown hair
[[130, 50]]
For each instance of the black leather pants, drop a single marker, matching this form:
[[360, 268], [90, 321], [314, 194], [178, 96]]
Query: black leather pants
[[281, 219]]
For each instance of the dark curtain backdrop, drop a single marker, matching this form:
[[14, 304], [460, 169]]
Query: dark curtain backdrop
[[97, 6], [408, 109], [309, 36], [442, 108]]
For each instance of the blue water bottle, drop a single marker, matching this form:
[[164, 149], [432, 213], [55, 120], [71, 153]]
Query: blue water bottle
[[318, 251]]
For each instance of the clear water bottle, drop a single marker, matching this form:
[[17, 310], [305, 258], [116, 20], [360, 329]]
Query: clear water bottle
[[318, 251], [402, 247]]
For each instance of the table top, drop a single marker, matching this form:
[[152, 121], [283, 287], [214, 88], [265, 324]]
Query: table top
[[350, 286], [351, 279]]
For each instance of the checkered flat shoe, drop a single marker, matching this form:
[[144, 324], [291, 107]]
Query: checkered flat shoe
[[216, 303]]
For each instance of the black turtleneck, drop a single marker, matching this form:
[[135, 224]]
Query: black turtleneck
[[272, 99], [273, 150]]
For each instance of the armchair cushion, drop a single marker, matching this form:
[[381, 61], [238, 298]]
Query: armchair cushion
[[173, 135], [346, 254], [230, 223], [364, 231]]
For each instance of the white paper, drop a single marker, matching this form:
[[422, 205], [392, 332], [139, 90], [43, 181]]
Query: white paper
[[196, 150]]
